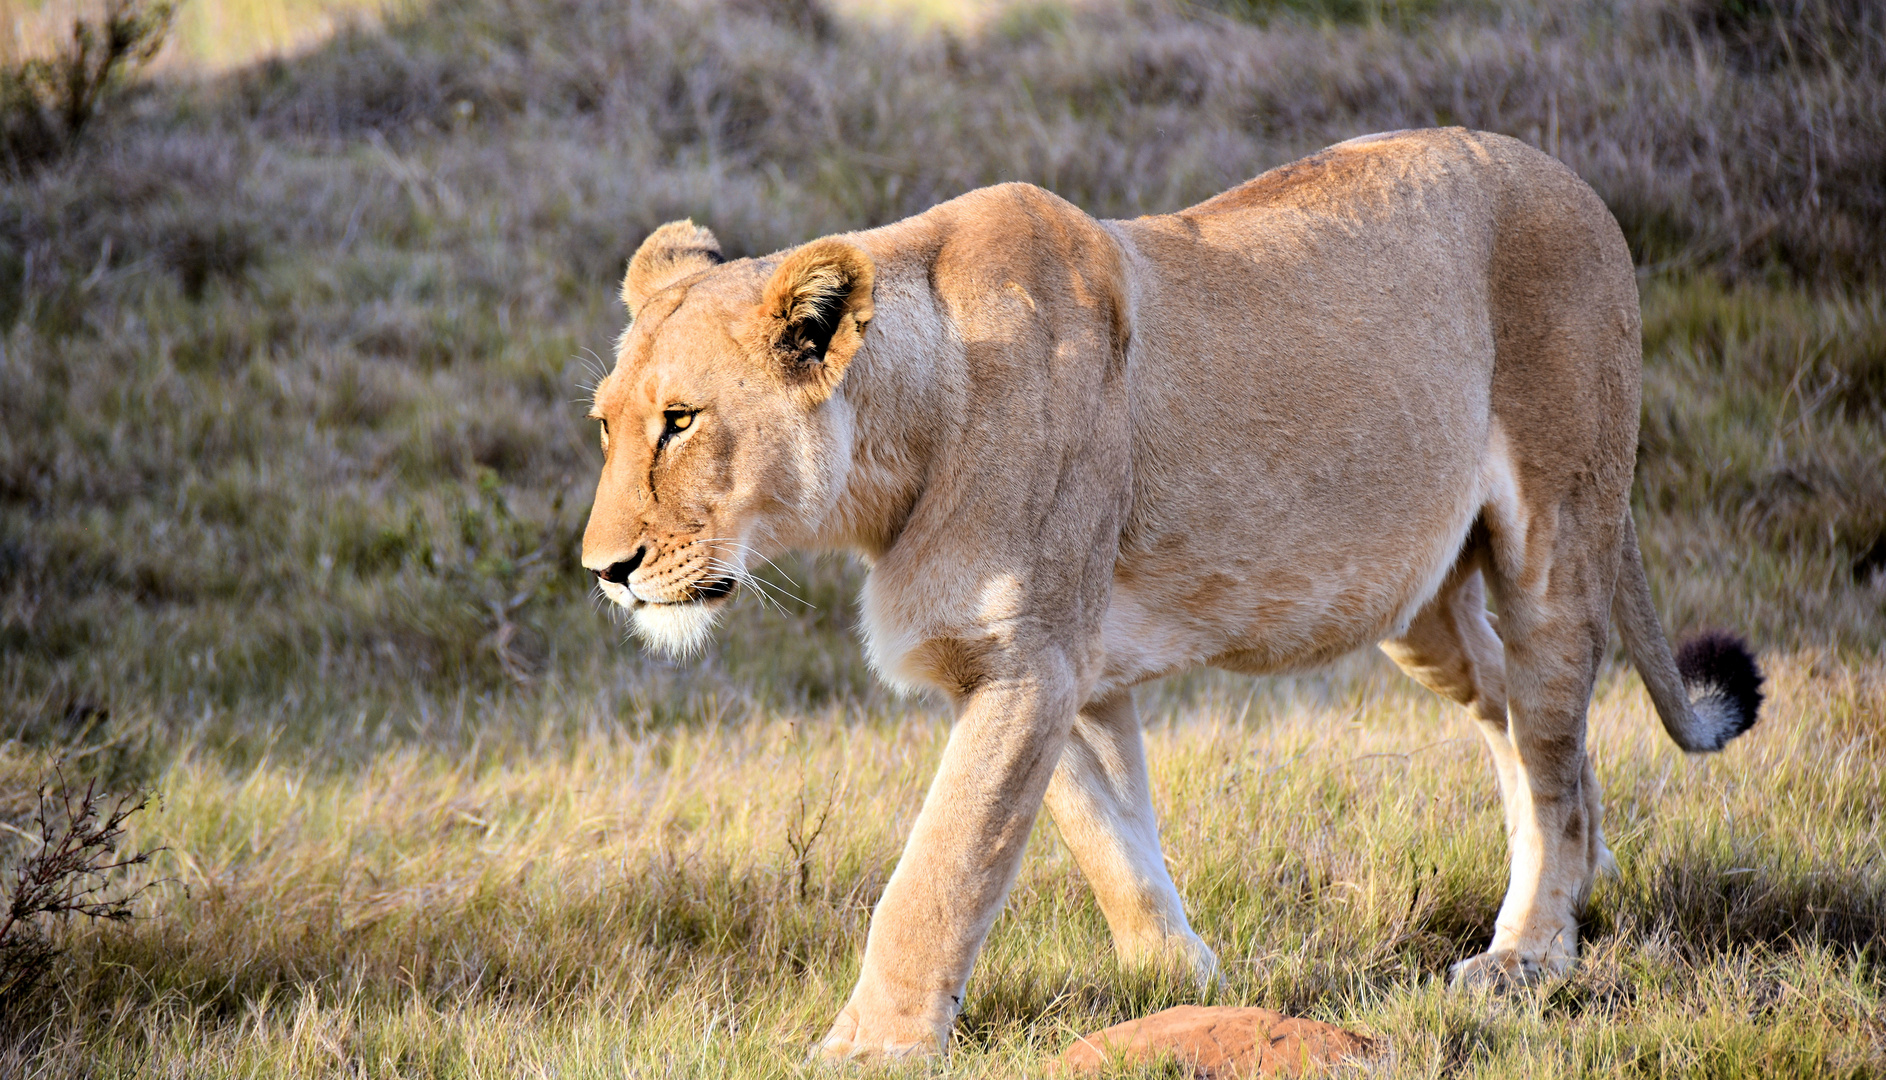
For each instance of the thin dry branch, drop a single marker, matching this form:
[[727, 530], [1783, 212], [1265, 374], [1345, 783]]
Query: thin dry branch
[[77, 869]]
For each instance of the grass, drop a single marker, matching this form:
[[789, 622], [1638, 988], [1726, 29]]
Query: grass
[[292, 480], [599, 900]]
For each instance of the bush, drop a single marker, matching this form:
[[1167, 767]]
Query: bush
[[46, 102], [76, 869]]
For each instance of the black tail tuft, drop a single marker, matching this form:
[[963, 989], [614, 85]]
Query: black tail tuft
[[1724, 685]]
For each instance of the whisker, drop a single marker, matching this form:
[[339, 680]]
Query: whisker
[[593, 363], [768, 594], [779, 591], [778, 594], [593, 368], [745, 576], [759, 587], [749, 550]]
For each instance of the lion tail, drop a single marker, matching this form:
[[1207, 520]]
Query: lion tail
[[1710, 691]]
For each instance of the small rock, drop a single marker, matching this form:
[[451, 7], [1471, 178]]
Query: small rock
[[1219, 1043]]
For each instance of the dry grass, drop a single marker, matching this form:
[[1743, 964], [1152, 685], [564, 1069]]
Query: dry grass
[[607, 900], [291, 484]]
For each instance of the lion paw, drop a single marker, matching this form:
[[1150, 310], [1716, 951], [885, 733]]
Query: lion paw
[[865, 1035], [1174, 954], [1507, 970], [1204, 963], [1183, 956]]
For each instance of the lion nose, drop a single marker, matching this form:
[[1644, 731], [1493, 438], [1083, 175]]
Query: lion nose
[[617, 573]]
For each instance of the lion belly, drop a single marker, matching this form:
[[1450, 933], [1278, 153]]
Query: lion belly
[[1311, 378]]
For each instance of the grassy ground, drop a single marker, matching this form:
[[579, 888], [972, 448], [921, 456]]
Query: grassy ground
[[292, 481], [600, 902]]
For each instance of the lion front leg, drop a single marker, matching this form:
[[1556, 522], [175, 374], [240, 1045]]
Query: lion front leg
[[1102, 804], [955, 873]]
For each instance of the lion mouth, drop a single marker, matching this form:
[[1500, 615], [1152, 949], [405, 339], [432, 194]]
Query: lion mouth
[[701, 592], [713, 589]]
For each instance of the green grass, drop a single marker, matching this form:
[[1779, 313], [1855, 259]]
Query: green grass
[[293, 476]]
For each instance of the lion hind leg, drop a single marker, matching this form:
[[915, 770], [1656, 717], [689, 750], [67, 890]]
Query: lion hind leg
[[1554, 593], [1451, 649], [1101, 802]]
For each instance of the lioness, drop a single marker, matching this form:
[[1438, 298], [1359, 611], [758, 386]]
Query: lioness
[[1332, 407]]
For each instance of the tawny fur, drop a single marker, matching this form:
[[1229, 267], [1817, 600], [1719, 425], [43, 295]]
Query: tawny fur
[[1336, 406]]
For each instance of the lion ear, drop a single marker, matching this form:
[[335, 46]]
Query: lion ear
[[812, 316], [670, 253]]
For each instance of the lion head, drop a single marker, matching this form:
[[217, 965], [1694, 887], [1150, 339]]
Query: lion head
[[721, 435]]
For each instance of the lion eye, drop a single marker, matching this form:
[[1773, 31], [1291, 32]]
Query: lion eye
[[605, 434], [677, 420]]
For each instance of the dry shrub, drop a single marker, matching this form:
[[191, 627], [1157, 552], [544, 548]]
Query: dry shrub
[[75, 865], [47, 102]]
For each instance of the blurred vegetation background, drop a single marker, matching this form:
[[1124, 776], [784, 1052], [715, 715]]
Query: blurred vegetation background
[[290, 354], [296, 327]]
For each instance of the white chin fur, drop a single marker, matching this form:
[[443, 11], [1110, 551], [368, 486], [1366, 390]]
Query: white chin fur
[[677, 629]]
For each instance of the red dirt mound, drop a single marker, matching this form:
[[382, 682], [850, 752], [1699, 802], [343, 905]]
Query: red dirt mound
[[1219, 1043]]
